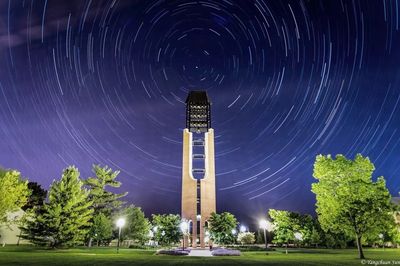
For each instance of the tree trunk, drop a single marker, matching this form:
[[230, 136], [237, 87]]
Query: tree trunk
[[90, 242], [359, 247], [19, 238]]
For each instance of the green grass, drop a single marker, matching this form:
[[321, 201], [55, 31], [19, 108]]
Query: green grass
[[25, 255]]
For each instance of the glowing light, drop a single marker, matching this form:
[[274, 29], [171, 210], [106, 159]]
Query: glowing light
[[298, 236], [184, 226], [120, 222], [266, 225], [263, 224]]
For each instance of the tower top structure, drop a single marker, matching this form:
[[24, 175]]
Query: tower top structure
[[198, 112]]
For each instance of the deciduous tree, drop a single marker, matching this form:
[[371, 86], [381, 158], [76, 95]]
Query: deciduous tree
[[221, 226], [166, 228], [14, 193], [37, 196], [348, 200], [284, 226], [102, 229], [138, 226]]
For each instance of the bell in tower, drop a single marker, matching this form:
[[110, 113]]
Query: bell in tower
[[198, 112]]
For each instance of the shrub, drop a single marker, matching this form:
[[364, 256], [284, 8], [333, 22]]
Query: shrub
[[246, 238]]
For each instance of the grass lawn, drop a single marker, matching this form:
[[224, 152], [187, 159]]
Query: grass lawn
[[25, 255]]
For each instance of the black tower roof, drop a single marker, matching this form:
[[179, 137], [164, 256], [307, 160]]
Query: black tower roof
[[197, 97], [198, 112]]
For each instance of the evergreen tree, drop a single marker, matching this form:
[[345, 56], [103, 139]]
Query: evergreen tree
[[64, 219], [104, 201], [34, 227]]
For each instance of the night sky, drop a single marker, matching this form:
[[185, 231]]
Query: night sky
[[84, 82]]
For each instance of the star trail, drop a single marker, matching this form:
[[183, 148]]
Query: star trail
[[84, 82]]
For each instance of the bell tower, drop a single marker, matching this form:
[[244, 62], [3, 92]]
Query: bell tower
[[198, 168]]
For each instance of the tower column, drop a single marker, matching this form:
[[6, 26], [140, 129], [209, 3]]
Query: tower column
[[207, 187], [189, 186]]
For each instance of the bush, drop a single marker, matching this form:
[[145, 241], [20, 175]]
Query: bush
[[251, 248], [136, 246], [246, 238]]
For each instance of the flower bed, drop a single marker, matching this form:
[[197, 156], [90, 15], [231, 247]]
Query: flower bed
[[174, 252], [225, 252]]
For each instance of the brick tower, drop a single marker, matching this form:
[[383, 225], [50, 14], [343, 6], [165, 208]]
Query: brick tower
[[198, 168]]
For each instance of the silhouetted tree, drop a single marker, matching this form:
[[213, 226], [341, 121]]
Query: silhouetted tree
[[37, 196]]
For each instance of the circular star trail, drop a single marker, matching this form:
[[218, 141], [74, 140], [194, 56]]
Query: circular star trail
[[86, 82]]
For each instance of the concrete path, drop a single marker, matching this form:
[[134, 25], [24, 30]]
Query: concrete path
[[200, 253]]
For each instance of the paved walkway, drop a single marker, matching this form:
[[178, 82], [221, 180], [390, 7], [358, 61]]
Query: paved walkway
[[200, 252]]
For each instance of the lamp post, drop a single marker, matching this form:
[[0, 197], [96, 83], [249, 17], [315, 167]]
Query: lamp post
[[298, 236], [120, 224], [184, 228], [264, 225], [383, 243], [234, 233]]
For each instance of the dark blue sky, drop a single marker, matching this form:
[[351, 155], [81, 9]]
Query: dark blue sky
[[85, 82]]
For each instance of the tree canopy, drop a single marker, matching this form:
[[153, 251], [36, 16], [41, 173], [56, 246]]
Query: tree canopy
[[284, 226], [246, 238], [103, 200], [137, 225], [348, 200], [166, 228], [14, 193], [221, 226], [37, 196], [101, 229]]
